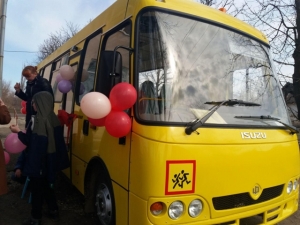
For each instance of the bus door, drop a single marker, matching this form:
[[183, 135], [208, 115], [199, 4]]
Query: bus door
[[68, 106], [113, 151], [82, 131], [59, 103]]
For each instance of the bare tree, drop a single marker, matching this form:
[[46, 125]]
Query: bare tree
[[6, 91], [230, 5], [279, 21], [8, 96], [56, 40]]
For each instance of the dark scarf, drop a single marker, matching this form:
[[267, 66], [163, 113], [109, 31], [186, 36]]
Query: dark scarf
[[45, 119]]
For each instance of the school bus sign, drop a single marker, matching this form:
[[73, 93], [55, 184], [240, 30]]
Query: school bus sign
[[180, 177]]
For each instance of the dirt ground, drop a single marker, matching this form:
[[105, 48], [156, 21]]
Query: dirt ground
[[13, 209]]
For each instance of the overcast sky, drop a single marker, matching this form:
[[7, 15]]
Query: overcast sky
[[29, 23]]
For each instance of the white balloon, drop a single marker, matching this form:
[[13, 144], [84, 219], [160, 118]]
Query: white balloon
[[66, 72], [95, 105]]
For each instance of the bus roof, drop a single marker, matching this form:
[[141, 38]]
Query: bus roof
[[116, 12]]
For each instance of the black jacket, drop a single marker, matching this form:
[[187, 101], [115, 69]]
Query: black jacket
[[34, 161], [33, 87]]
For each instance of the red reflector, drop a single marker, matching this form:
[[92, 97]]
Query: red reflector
[[157, 206]]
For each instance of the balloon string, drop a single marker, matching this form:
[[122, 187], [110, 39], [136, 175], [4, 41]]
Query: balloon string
[[16, 116]]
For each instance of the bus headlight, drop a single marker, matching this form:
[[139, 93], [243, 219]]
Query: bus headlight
[[289, 187], [175, 210], [296, 182], [195, 208]]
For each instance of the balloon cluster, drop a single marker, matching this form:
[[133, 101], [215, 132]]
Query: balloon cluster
[[64, 79], [109, 112], [23, 109], [12, 145], [66, 73]]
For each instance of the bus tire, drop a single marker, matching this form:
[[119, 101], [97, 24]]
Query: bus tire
[[104, 201]]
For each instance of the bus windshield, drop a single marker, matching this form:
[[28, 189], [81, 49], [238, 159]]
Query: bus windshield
[[185, 65]]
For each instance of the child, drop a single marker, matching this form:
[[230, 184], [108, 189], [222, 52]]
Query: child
[[45, 154]]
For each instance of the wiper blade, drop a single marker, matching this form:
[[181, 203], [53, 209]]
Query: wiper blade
[[292, 129], [193, 126], [198, 122], [232, 102]]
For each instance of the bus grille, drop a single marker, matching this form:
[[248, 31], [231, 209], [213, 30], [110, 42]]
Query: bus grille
[[244, 199]]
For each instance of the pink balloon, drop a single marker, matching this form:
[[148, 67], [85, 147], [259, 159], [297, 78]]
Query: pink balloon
[[13, 145], [64, 86], [118, 124], [95, 105], [58, 77], [66, 72], [122, 96], [6, 157]]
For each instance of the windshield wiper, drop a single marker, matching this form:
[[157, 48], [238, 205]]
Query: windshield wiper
[[292, 129], [232, 102], [193, 126]]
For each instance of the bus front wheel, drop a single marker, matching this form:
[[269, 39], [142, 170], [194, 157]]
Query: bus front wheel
[[105, 208]]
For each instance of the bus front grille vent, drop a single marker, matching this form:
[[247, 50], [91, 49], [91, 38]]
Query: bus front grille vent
[[244, 199]]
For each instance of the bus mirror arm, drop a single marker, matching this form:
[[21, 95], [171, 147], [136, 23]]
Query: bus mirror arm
[[113, 73]]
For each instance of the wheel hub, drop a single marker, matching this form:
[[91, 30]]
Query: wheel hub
[[104, 204]]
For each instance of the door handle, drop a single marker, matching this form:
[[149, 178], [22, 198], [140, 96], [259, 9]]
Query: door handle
[[85, 128]]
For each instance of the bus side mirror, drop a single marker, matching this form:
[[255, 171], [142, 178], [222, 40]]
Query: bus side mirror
[[113, 61], [117, 60], [117, 65]]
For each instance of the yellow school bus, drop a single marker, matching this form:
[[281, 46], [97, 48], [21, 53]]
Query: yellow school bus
[[211, 141]]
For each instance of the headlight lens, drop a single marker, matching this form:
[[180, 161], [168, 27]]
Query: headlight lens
[[295, 184], [176, 210], [195, 208], [289, 187]]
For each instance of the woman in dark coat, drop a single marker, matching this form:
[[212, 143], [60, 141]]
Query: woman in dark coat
[[44, 156], [4, 119], [35, 83]]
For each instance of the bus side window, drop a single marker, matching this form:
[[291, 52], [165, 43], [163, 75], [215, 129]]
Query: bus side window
[[87, 72], [47, 72], [118, 37], [58, 96]]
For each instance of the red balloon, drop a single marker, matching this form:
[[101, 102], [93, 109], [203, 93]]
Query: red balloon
[[23, 110], [97, 122], [118, 123], [23, 103], [122, 96]]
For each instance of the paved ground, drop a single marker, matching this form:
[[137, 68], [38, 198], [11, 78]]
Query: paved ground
[[293, 220], [13, 209]]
